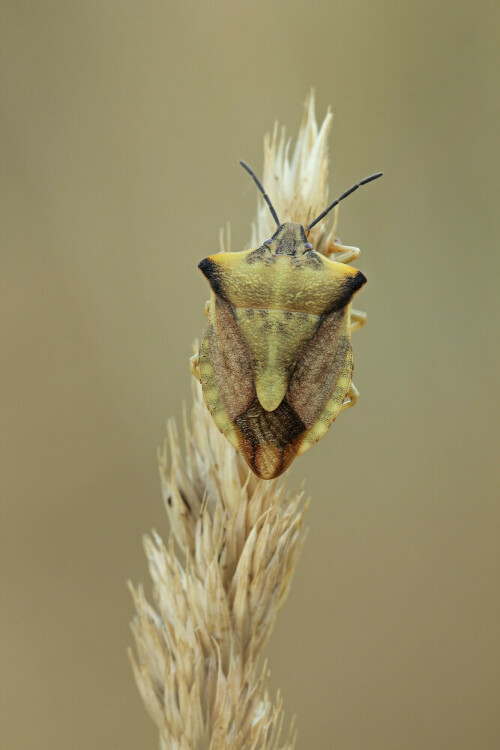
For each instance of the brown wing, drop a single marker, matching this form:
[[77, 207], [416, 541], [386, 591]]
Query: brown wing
[[230, 362], [316, 373], [268, 438]]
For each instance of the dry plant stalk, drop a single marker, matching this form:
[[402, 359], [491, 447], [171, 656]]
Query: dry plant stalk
[[238, 537], [216, 602]]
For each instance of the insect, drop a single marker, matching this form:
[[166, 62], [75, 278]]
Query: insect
[[275, 363]]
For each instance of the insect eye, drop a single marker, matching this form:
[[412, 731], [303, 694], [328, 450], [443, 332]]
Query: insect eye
[[308, 246], [267, 242]]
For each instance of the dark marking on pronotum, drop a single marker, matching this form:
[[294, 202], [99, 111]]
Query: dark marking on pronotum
[[349, 287], [209, 269], [261, 255], [312, 259], [258, 254]]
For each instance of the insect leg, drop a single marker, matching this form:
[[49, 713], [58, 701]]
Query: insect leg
[[343, 253], [194, 366], [358, 319], [352, 397]]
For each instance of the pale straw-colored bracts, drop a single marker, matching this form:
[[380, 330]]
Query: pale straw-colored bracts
[[216, 596], [220, 580]]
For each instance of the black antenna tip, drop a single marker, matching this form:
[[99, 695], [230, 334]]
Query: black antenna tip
[[264, 194], [344, 195], [371, 177]]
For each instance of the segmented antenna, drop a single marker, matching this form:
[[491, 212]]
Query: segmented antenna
[[259, 185], [344, 195]]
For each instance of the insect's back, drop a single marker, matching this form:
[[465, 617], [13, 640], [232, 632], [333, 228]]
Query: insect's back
[[276, 360], [275, 340]]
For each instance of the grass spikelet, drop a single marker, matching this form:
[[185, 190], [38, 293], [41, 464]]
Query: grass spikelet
[[220, 581]]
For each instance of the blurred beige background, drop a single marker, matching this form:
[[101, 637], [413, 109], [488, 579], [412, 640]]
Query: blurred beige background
[[122, 124]]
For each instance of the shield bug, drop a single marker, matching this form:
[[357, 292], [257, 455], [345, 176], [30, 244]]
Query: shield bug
[[275, 363]]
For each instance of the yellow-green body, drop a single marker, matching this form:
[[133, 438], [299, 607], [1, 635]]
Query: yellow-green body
[[275, 363]]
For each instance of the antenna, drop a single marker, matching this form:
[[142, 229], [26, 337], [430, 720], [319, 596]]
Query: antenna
[[266, 197], [344, 195]]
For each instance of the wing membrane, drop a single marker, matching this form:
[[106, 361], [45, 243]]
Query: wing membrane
[[317, 371]]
